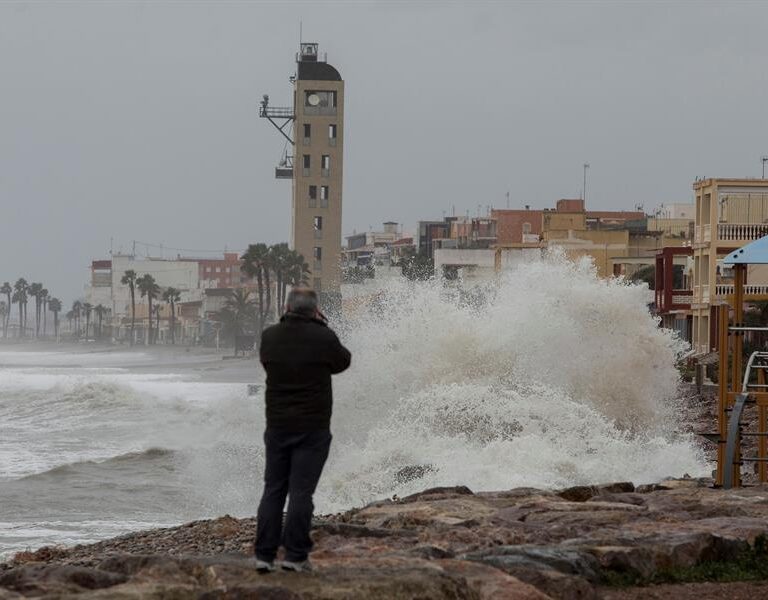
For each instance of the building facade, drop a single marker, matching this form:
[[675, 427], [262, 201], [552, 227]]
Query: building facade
[[729, 214]]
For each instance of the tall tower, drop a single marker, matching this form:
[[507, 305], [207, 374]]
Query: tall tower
[[315, 165]]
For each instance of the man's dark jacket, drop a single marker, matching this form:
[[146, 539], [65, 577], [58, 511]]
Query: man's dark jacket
[[300, 354]]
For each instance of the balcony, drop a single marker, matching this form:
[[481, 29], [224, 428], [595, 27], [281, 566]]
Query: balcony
[[741, 232], [751, 291]]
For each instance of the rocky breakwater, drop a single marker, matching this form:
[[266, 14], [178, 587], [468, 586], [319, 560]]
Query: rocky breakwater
[[441, 543]]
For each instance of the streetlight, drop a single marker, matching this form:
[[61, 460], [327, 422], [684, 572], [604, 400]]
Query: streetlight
[[584, 189]]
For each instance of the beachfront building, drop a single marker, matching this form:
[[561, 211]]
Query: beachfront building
[[729, 214], [315, 165], [371, 247]]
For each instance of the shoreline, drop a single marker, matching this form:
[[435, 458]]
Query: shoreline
[[584, 542]]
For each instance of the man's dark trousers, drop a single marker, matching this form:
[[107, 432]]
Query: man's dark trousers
[[294, 462]]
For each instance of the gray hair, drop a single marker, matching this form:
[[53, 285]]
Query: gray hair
[[302, 301]]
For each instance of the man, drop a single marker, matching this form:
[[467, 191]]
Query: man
[[299, 355]]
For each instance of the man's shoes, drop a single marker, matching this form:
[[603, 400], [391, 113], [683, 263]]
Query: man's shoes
[[303, 566], [264, 566]]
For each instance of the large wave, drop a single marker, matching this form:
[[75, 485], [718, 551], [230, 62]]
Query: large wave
[[548, 376]]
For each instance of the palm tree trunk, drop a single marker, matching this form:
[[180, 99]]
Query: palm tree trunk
[[133, 315], [269, 292], [260, 285], [149, 320], [173, 323]]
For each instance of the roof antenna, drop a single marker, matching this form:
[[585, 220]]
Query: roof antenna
[[301, 37]]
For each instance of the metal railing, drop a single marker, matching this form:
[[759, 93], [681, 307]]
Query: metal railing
[[276, 112]]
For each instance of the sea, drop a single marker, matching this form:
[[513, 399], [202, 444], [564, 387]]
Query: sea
[[547, 377]]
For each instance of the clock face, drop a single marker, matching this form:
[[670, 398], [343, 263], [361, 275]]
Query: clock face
[[313, 99]]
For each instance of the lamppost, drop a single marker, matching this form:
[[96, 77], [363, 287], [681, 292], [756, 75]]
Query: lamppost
[[584, 189]]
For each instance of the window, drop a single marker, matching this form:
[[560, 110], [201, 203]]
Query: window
[[207, 269], [317, 284], [218, 269], [332, 134], [526, 228], [307, 133], [324, 195], [312, 196], [325, 165], [319, 100], [318, 227], [317, 252], [307, 163]]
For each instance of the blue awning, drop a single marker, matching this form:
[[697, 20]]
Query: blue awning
[[754, 253]]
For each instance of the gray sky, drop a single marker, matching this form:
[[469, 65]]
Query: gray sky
[[133, 120]]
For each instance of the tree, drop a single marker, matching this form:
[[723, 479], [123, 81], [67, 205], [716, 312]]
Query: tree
[[172, 296], [129, 279], [7, 290], [77, 308], [55, 306], [256, 265], [149, 290], [647, 274], [21, 286], [34, 291], [87, 308], [239, 314], [44, 303], [100, 311], [70, 317], [289, 269], [3, 312]]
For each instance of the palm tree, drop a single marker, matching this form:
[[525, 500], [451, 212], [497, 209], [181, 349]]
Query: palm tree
[[55, 305], [129, 279], [157, 320], [87, 308], [256, 264], [238, 314], [44, 304], [34, 291], [3, 312], [70, 317], [100, 311], [149, 288], [278, 262], [21, 286], [172, 296], [77, 308], [7, 290], [296, 272]]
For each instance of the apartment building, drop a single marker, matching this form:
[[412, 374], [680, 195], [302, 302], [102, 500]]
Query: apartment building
[[729, 214]]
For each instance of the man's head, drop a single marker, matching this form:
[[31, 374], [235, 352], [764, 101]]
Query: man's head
[[302, 301]]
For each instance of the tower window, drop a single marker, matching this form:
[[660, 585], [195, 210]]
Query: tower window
[[324, 196], [325, 165], [317, 252], [307, 130], [318, 223], [332, 134], [307, 163]]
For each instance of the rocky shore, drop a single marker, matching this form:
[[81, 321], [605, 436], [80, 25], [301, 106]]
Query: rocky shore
[[578, 543]]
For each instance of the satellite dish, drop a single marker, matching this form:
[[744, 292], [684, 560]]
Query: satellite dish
[[313, 99]]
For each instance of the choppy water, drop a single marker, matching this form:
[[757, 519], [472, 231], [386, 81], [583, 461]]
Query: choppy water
[[549, 378]]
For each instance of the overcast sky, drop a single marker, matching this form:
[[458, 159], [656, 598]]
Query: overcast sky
[[139, 121]]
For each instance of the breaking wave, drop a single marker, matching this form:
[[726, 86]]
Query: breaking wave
[[548, 377]]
